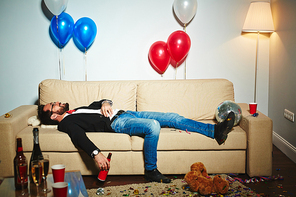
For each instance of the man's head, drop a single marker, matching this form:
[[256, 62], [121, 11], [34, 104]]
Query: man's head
[[49, 114]]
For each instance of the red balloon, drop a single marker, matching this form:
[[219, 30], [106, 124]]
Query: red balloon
[[178, 45], [159, 57], [177, 64]]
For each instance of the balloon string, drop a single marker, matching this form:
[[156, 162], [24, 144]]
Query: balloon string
[[176, 70], [85, 65], [57, 22], [185, 70], [63, 64], [60, 70], [185, 59]]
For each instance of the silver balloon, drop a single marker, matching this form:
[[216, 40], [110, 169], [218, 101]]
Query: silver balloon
[[225, 108], [185, 10]]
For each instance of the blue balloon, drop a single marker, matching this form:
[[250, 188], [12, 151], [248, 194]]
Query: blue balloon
[[85, 31], [62, 28]]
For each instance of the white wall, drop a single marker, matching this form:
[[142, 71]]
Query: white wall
[[283, 75], [126, 30]]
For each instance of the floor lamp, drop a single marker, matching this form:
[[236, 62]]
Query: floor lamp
[[259, 20]]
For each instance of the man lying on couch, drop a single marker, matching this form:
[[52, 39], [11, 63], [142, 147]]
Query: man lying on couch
[[99, 116]]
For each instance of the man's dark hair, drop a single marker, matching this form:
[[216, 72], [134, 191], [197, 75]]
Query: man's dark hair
[[44, 116]]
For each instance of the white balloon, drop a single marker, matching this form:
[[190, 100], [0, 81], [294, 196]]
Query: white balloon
[[185, 9], [56, 6]]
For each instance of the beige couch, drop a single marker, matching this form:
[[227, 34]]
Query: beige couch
[[248, 148]]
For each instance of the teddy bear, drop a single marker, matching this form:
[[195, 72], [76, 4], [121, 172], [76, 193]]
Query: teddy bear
[[221, 185], [200, 168], [199, 181]]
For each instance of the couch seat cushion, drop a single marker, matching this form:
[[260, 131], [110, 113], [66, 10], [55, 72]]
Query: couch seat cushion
[[173, 139], [54, 140]]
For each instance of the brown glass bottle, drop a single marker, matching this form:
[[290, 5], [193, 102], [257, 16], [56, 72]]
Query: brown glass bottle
[[19, 158]]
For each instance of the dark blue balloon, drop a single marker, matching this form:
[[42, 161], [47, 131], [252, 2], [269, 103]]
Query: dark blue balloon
[[85, 31], [62, 28]]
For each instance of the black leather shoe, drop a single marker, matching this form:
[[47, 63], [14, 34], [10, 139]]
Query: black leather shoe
[[156, 176], [222, 129]]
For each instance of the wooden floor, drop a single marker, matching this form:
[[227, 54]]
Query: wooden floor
[[282, 166]]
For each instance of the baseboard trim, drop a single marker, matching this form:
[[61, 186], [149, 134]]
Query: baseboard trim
[[282, 144]]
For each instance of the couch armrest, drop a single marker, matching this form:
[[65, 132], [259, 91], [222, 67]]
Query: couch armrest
[[9, 128], [259, 142]]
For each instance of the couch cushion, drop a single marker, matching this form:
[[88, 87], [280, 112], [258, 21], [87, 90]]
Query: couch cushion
[[195, 99], [169, 139], [173, 139], [54, 140], [80, 93]]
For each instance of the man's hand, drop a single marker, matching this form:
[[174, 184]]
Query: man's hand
[[102, 161], [106, 109]]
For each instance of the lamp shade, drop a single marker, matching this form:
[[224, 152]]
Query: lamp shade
[[259, 18]]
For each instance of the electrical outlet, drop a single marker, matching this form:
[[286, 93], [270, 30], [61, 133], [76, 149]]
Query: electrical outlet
[[289, 115]]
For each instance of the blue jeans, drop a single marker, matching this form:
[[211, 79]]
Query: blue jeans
[[148, 124]]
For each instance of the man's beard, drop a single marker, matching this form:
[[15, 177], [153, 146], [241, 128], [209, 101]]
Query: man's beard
[[63, 109]]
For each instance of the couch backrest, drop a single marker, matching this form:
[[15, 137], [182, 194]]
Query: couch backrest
[[194, 98], [83, 93]]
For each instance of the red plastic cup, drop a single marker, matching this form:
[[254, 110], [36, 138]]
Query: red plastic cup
[[60, 189], [253, 108], [58, 172]]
